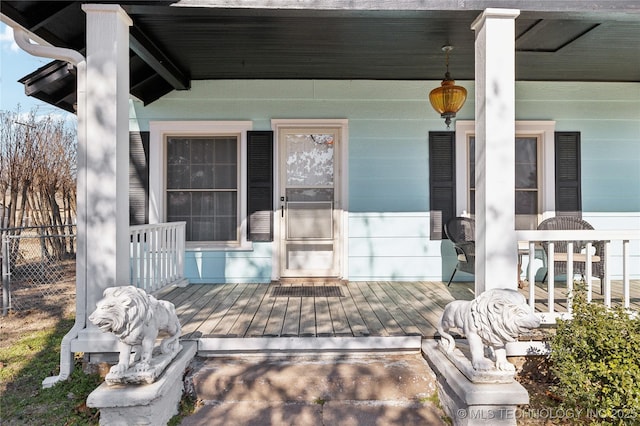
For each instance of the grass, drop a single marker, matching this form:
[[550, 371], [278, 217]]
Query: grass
[[433, 399], [186, 407], [319, 401], [25, 364], [36, 355]]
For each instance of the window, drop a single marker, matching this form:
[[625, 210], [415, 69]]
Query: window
[[534, 170], [198, 175], [548, 173], [527, 186], [202, 186]]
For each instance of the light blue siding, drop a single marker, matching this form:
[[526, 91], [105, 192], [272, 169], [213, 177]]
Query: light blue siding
[[607, 115], [253, 266], [389, 122], [396, 246]]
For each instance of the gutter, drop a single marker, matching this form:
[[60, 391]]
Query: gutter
[[68, 55], [73, 57]]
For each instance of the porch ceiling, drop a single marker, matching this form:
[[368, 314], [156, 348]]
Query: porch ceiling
[[170, 46]]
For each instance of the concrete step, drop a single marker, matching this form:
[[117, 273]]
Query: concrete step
[[333, 413], [314, 390]]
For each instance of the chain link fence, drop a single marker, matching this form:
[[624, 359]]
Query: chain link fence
[[38, 263]]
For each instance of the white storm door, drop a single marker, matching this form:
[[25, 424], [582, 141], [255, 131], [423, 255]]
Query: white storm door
[[309, 229]]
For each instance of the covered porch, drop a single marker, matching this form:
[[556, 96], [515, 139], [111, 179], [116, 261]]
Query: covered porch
[[488, 41], [336, 309], [307, 307]]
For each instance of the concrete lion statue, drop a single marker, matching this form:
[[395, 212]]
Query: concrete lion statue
[[492, 319], [137, 318]]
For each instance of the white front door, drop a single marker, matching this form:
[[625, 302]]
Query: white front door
[[309, 199]]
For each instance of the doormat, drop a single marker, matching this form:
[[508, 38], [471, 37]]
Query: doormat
[[300, 291]]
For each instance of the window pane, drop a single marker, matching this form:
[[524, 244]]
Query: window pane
[[526, 178], [472, 201], [225, 213], [225, 176], [225, 204], [201, 177], [309, 160], [202, 229], [526, 150], [203, 203], [178, 176], [202, 151], [472, 162], [225, 229], [309, 194], [526, 163], [178, 151], [178, 204], [226, 150], [203, 164], [526, 202]]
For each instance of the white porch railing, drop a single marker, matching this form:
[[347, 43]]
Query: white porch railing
[[621, 255], [157, 255]]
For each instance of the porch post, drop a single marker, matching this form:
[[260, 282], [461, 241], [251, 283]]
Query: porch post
[[496, 244], [105, 209]]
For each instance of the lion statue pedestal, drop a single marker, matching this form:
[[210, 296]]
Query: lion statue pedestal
[[137, 318], [488, 322]]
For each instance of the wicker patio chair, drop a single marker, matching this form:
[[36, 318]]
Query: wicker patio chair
[[560, 248], [462, 233]]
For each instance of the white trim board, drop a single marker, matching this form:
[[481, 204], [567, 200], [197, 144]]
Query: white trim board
[[296, 345]]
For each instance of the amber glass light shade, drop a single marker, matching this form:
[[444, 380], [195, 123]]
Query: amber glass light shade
[[448, 99]]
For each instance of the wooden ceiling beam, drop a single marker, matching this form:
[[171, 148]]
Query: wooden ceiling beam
[[36, 22], [147, 50]]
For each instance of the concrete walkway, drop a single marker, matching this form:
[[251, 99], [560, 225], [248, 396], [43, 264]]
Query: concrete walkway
[[314, 390]]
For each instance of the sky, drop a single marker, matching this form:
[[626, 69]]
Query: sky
[[15, 63]]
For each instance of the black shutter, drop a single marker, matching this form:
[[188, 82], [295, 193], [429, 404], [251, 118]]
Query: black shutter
[[442, 181], [138, 178], [567, 168], [260, 185]]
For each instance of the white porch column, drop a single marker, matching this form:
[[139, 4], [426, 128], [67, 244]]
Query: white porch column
[[105, 193], [496, 244]]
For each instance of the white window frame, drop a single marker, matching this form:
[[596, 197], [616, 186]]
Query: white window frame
[[159, 130], [543, 130]]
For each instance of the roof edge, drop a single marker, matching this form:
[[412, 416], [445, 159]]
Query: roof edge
[[610, 6]]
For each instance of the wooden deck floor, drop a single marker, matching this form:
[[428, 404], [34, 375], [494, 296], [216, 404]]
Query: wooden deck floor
[[362, 309]]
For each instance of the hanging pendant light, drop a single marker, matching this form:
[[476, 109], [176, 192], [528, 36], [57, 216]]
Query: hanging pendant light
[[448, 98]]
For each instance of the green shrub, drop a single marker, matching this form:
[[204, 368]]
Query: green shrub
[[596, 359]]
